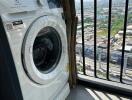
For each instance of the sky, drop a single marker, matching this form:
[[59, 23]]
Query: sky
[[85, 0]]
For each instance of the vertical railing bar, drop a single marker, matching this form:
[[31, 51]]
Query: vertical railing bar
[[83, 44], [124, 36], [109, 34], [95, 34]]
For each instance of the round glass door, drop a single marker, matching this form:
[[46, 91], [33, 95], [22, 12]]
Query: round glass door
[[47, 50], [44, 50]]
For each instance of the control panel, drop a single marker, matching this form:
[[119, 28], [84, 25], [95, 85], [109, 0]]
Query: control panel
[[11, 6]]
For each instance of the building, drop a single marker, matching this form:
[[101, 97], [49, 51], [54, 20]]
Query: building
[[128, 48], [120, 33], [129, 27]]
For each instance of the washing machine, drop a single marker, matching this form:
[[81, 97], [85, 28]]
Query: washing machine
[[37, 37]]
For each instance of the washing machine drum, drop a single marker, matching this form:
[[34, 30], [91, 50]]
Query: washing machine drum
[[45, 49]]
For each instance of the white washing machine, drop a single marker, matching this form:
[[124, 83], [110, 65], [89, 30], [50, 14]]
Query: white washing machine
[[36, 34]]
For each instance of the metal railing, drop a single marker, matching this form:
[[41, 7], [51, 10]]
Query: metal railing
[[108, 39]]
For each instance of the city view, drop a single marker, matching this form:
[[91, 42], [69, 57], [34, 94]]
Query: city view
[[116, 39]]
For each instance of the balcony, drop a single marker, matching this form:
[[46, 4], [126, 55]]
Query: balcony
[[103, 46]]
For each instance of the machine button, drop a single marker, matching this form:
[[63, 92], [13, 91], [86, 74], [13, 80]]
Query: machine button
[[41, 2]]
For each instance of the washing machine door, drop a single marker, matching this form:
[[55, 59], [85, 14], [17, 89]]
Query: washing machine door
[[45, 50]]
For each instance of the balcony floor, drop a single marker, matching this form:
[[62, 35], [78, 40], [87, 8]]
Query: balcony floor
[[84, 93]]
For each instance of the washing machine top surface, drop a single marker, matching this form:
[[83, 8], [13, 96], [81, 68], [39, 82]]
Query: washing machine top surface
[[15, 6]]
